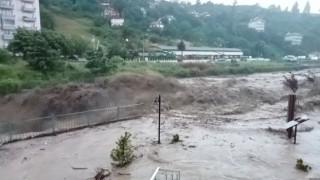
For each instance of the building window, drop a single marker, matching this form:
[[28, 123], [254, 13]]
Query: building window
[[8, 21], [6, 12], [7, 32]]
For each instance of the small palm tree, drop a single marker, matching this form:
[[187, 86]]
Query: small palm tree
[[181, 47]]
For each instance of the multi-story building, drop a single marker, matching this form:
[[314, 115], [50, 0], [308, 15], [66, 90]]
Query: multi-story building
[[257, 23], [18, 13], [294, 38]]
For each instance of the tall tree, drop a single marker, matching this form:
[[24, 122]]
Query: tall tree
[[47, 19], [272, 7], [295, 8], [307, 8], [279, 8], [259, 48], [181, 47], [286, 9]]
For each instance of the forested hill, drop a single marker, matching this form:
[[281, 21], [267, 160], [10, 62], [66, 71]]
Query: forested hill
[[206, 24]]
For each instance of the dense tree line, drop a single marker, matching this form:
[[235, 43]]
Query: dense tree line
[[46, 51], [227, 26]]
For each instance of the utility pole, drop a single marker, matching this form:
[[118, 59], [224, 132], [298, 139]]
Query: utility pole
[[143, 50], [159, 119]]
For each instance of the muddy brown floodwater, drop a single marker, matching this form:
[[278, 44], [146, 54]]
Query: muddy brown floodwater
[[233, 130]]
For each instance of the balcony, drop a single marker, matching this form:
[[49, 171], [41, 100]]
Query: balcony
[[8, 27], [8, 16], [7, 36], [28, 9], [29, 1], [29, 19], [6, 5], [30, 28]]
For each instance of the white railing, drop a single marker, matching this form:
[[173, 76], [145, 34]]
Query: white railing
[[19, 130], [165, 174]]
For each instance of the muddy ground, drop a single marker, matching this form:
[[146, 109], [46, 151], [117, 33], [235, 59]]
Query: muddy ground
[[230, 127]]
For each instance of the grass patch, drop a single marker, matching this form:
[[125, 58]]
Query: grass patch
[[18, 76], [184, 70], [67, 26]]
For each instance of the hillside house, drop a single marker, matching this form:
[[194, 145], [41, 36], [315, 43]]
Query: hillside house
[[294, 38], [198, 14], [154, 3], [157, 25], [117, 22], [105, 3], [110, 13], [257, 24]]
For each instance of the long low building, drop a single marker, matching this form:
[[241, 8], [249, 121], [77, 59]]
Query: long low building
[[202, 52]]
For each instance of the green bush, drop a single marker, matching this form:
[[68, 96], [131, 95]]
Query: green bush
[[175, 138], [301, 166], [9, 86], [5, 57], [123, 153]]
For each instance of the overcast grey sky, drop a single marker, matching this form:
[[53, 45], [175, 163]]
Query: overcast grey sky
[[315, 4]]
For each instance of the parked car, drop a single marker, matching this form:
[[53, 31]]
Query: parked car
[[290, 58]]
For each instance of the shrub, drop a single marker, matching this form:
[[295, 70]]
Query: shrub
[[9, 86], [301, 166], [200, 66], [123, 153], [175, 138], [5, 56]]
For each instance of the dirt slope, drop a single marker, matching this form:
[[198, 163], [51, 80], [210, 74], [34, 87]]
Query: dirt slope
[[122, 89]]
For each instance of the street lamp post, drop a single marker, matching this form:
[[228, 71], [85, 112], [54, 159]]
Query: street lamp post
[[143, 46], [124, 44], [158, 101], [143, 50]]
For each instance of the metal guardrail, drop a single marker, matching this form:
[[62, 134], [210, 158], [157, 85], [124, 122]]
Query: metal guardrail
[[20, 130], [165, 174]]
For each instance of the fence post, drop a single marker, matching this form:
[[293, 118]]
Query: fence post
[[10, 131], [88, 119], [53, 123], [118, 113], [140, 107], [291, 112], [159, 119]]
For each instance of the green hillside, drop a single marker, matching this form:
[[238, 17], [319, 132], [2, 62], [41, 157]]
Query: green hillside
[[202, 24]]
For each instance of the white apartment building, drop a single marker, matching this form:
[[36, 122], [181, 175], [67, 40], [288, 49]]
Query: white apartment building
[[294, 38], [17, 13], [257, 23]]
